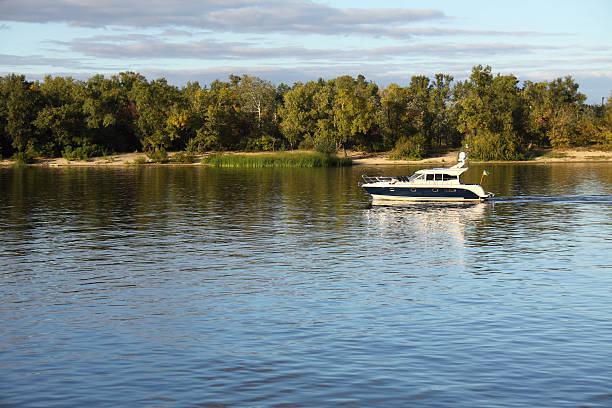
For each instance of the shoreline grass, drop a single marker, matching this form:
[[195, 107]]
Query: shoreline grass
[[279, 160]]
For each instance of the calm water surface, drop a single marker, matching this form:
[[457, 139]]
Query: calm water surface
[[195, 286]]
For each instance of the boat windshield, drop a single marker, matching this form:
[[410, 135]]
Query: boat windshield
[[416, 177], [434, 177]]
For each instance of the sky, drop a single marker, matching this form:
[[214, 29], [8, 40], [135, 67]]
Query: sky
[[286, 41]]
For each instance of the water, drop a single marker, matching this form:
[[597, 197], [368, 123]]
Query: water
[[195, 286]]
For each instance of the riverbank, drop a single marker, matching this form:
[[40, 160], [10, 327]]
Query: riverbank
[[541, 156], [358, 158]]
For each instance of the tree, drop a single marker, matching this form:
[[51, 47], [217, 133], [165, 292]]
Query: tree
[[61, 121], [555, 110], [18, 109], [491, 115], [108, 116], [298, 113], [354, 110], [154, 103], [443, 127], [258, 98], [392, 115], [223, 124]]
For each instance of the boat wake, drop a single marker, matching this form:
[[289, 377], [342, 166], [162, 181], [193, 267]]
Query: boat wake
[[578, 199], [534, 199]]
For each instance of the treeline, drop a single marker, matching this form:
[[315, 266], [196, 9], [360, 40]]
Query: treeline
[[496, 116]]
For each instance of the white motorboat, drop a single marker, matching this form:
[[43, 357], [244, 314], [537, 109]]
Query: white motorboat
[[440, 184]]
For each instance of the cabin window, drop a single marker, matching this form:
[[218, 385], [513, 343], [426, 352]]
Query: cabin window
[[430, 177]]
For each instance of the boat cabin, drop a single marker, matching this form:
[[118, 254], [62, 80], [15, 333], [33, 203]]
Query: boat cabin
[[450, 176]]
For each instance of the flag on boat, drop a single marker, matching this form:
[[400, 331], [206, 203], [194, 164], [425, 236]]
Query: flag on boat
[[485, 173]]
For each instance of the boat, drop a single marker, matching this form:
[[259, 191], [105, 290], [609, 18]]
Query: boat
[[439, 184]]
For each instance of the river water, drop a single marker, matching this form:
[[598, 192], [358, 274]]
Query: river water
[[193, 286]]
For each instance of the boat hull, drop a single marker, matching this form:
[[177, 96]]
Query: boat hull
[[455, 193]]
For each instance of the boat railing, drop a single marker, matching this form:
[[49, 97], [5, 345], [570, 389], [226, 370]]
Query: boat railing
[[377, 179]]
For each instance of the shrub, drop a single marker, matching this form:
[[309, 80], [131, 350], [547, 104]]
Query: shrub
[[265, 143], [325, 145], [22, 158], [140, 160], [84, 152], [159, 155], [487, 145], [409, 148], [183, 157]]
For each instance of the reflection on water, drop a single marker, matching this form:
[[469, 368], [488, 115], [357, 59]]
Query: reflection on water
[[424, 223], [217, 287]]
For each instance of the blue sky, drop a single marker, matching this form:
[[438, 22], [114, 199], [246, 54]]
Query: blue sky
[[299, 40]]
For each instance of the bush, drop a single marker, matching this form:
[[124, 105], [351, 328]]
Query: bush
[[159, 155], [409, 148], [140, 160], [22, 158], [183, 157], [487, 145], [265, 143], [84, 152], [325, 145]]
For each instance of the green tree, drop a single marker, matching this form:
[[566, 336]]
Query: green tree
[[354, 110], [491, 115], [298, 113], [326, 135], [257, 99], [155, 101], [223, 124], [392, 115], [420, 119], [108, 116], [61, 122], [18, 109], [443, 126]]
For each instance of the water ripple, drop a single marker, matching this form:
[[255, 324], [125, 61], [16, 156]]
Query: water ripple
[[193, 286]]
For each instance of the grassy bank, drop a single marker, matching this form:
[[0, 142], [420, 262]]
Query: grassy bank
[[276, 160]]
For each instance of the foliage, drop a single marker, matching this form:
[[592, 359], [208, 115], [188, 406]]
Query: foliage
[[22, 158], [496, 116], [83, 152], [264, 143], [140, 160], [183, 157], [158, 155], [276, 160], [409, 148], [489, 145]]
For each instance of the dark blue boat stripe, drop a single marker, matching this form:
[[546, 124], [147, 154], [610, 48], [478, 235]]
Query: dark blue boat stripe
[[423, 192]]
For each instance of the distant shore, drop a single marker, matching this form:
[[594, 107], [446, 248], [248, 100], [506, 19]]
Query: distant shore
[[359, 159]]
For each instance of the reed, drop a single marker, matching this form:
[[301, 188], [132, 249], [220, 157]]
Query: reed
[[279, 160]]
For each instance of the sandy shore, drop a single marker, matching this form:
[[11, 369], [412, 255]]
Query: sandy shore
[[544, 156], [359, 158]]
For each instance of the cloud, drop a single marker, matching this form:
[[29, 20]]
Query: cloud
[[288, 17], [239, 16], [139, 46], [15, 61], [230, 15]]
